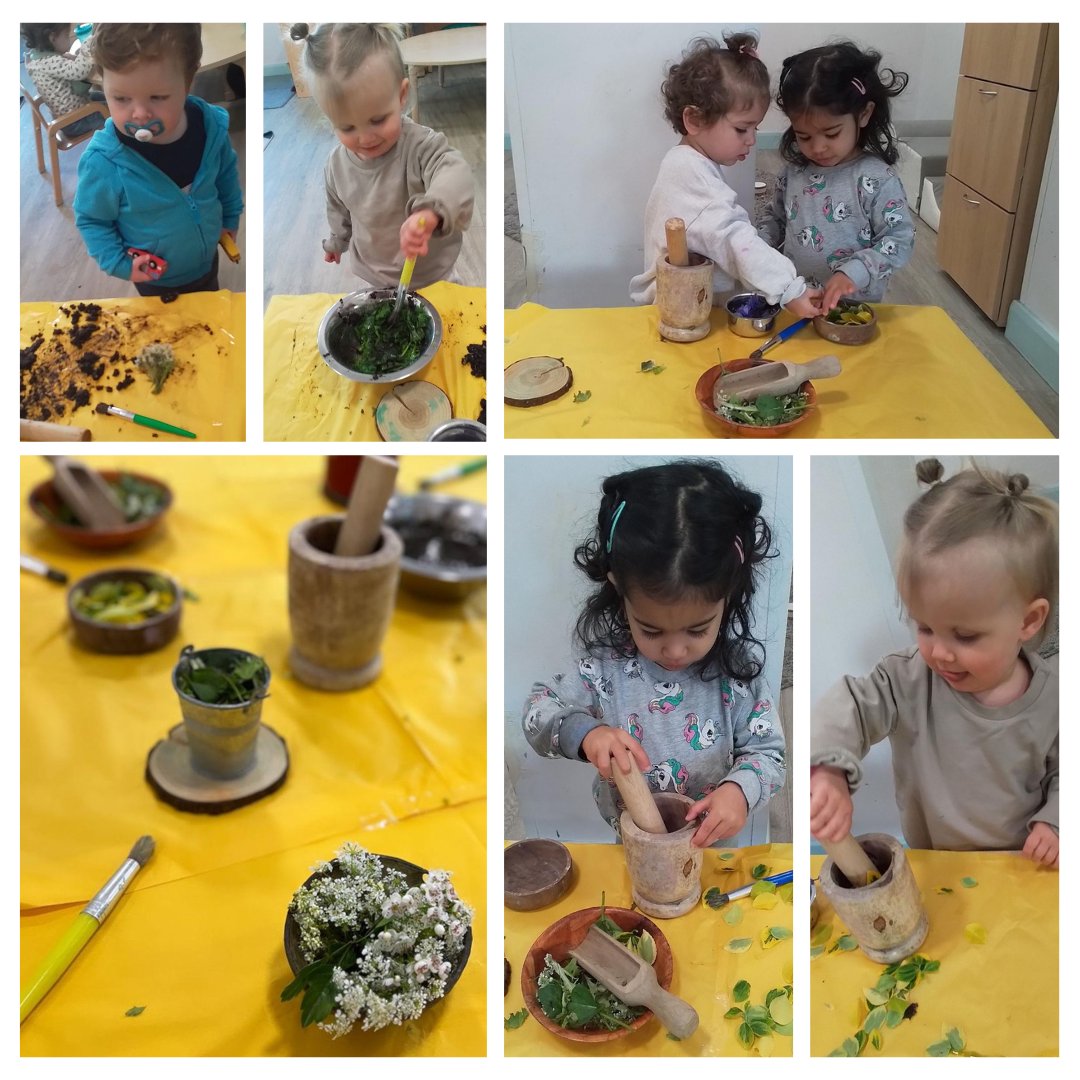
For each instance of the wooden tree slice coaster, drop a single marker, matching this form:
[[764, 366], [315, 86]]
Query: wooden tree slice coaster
[[412, 411], [170, 773], [535, 873], [536, 380]]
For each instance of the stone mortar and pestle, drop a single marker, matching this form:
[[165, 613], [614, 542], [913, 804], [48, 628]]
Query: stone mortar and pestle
[[869, 883], [684, 288]]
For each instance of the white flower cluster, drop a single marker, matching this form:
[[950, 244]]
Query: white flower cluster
[[411, 936]]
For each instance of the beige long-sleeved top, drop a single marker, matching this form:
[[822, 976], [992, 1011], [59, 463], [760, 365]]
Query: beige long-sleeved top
[[968, 777], [367, 202]]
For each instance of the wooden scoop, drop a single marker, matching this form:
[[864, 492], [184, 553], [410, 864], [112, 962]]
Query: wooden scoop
[[633, 981], [852, 861], [371, 491], [778, 377], [640, 804], [43, 431], [675, 231], [87, 494]]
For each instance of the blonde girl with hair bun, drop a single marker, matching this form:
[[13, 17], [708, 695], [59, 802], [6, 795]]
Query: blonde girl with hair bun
[[394, 189]]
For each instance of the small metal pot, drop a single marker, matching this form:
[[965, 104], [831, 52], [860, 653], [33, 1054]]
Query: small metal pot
[[459, 431], [745, 326], [333, 326]]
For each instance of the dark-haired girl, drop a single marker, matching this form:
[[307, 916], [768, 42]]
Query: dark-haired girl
[[839, 211], [668, 679]]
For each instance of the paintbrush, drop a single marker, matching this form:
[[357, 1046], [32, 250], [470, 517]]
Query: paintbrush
[[403, 284], [82, 930], [455, 471], [145, 421], [36, 566], [738, 894]]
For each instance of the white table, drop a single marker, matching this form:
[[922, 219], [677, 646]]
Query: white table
[[444, 48]]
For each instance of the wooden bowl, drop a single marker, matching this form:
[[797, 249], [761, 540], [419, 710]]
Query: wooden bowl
[[535, 873], [46, 503], [125, 639], [847, 335], [706, 384], [559, 938]]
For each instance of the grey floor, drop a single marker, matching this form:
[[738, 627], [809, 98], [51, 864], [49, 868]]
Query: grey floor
[[920, 282], [295, 215]]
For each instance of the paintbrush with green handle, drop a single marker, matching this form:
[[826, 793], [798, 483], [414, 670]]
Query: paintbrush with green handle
[[82, 930], [144, 421]]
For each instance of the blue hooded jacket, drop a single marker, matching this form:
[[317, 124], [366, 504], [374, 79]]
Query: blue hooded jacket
[[123, 201]]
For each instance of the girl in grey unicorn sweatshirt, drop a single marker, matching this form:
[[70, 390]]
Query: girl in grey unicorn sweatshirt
[[667, 677]]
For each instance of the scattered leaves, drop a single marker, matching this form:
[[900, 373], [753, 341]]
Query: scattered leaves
[[759, 871], [844, 943], [968, 882], [136, 1010], [773, 935], [765, 901], [651, 367], [760, 1022], [582, 395], [741, 990], [953, 1043], [516, 1019], [738, 945], [733, 914]]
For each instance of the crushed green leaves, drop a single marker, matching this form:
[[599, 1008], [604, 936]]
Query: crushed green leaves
[[373, 345], [768, 410], [515, 1019]]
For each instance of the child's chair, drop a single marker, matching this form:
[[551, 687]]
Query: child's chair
[[54, 132]]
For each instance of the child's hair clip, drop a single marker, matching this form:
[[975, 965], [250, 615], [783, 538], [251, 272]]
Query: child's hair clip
[[859, 86]]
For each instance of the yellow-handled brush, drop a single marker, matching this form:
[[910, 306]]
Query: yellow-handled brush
[[406, 277], [82, 930]]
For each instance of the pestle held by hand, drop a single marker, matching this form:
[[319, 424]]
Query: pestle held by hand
[[639, 801]]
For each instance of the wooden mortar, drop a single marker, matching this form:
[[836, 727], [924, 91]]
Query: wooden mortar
[[886, 917], [339, 606], [684, 288], [665, 868]]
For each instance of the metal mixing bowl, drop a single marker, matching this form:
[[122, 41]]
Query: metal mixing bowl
[[744, 325], [333, 327]]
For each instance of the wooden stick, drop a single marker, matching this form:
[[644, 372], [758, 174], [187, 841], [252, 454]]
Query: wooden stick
[[43, 431], [371, 491], [851, 860], [640, 803], [675, 229]]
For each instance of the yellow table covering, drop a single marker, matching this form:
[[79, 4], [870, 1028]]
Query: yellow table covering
[[919, 378], [398, 766], [1002, 996], [704, 972], [305, 399], [204, 394]]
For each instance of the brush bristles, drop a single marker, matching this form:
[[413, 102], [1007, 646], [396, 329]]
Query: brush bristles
[[143, 849]]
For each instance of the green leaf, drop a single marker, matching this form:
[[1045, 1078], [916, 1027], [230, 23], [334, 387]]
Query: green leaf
[[725, 855], [549, 998], [516, 1019], [582, 395], [135, 1010], [944, 891], [876, 1039], [821, 934], [760, 887], [741, 990], [816, 950], [874, 996], [968, 882], [885, 983], [582, 1005], [760, 1027], [738, 945], [651, 367], [783, 1029], [955, 1040], [781, 933], [716, 898], [733, 915], [851, 1047], [787, 892], [844, 943], [756, 1012], [773, 994], [838, 1052], [780, 1011], [931, 966], [939, 1049], [733, 1012], [746, 1035], [759, 871], [875, 1018]]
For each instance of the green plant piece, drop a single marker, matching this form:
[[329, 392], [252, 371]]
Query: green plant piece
[[733, 1012], [821, 934], [844, 943], [944, 891], [766, 410], [760, 887], [157, 361], [582, 395], [651, 367], [759, 871], [816, 951], [733, 914], [222, 680], [136, 1010], [968, 882], [876, 1041], [739, 945], [741, 990], [373, 345], [787, 892], [124, 603], [727, 855], [516, 1019]]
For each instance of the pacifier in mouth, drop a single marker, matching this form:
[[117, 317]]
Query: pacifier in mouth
[[145, 132]]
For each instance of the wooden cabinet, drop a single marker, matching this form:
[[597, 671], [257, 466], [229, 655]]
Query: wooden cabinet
[[1005, 101]]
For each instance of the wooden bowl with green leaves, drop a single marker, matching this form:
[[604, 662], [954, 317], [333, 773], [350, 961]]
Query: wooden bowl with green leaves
[[557, 941], [762, 428]]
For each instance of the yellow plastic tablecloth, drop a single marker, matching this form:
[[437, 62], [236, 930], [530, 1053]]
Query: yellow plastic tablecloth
[[205, 393], [305, 399], [1002, 996], [402, 758], [704, 973], [919, 378]]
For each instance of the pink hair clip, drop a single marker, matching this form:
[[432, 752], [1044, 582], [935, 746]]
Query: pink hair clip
[[739, 550], [748, 50], [859, 86]]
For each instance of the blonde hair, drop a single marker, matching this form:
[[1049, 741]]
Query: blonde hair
[[120, 46], [982, 504], [335, 51]]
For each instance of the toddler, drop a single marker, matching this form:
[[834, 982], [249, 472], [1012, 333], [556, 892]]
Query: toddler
[[715, 98], [839, 210], [60, 77], [394, 189], [971, 712], [669, 677], [161, 177]]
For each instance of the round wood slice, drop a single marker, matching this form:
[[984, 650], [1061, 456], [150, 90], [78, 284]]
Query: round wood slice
[[535, 873], [412, 411], [536, 380], [169, 772]]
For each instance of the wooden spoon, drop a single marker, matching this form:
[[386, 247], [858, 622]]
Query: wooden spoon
[[638, 798], [851, 860], [371, 491], [87, 493], [777, 377]]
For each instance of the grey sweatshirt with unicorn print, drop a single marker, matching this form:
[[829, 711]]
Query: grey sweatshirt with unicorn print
[[697, 734], [851, 218]]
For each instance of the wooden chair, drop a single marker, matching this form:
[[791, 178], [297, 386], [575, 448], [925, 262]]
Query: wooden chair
[[54, 133]]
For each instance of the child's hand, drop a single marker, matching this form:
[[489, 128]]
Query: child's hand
[[725, 813], [806, 306], [604, 745], [332, 256], [837, 286], [416, 231], [830, 803], [1042, 845], [138, 269]]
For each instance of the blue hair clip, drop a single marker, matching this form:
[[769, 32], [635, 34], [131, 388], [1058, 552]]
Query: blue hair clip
[[614, 521]]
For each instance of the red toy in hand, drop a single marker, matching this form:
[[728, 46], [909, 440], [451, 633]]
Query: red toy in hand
[[155, 265]]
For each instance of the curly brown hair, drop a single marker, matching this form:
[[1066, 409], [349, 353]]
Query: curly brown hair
[[39, 35], [120, 46], [713, 79]]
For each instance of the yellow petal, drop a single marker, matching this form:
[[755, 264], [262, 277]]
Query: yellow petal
[[975, 933], [765, 901]]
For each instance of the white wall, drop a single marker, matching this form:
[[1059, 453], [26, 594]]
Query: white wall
[[588, 132], [551, 505], [1040, 289], [856, 519], [273, 49]]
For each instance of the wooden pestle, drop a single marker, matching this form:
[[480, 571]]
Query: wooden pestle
[[43, 431], [675, 230], [639, 801], [87, 494], [371, 491], [852, 861]]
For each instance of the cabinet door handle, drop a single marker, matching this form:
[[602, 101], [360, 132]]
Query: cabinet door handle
[[989, 93], [973, 202]]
